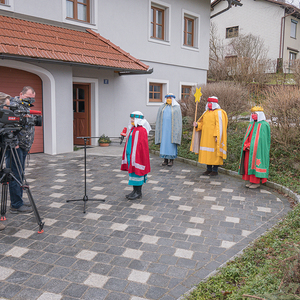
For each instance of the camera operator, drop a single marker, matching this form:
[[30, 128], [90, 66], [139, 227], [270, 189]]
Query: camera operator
[[4, 100], [25, 140]]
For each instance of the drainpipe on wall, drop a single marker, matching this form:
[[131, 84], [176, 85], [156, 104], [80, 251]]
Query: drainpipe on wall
[[230, 4]]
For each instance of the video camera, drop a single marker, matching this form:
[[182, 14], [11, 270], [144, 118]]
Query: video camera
[[15, 117], [18, 115]]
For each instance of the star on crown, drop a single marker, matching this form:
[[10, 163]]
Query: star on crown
[[256, 108]]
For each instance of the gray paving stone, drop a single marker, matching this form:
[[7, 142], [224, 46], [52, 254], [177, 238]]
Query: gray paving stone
[[75, 290], [28, 293], [8, 291], [95, 294], [55, 286]]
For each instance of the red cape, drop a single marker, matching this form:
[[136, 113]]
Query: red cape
[[139, 155]]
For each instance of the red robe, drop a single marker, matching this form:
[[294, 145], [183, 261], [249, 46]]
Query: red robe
[[139, 156]]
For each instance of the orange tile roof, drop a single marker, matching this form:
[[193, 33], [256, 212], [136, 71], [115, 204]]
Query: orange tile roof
[[25, 39]]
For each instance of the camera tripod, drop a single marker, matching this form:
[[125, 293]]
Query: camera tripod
[[6, 176], [85, 197]]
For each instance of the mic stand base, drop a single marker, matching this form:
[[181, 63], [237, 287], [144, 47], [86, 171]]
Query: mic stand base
[[85, 198]]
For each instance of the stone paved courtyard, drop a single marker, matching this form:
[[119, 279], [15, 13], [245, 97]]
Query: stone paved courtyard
[[158, 247]]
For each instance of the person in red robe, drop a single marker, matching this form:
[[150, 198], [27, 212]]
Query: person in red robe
[[255, 153], [135, 158]]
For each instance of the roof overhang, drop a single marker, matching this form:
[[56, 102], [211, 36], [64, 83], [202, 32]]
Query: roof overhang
[[24, 40]]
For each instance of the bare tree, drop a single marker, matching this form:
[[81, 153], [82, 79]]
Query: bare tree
[[217, 65], [251, 62], [243, 60]]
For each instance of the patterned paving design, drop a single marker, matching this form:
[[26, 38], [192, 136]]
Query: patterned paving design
[[158, 247]]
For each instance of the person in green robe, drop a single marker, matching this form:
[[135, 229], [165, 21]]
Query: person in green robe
[[255, 153]]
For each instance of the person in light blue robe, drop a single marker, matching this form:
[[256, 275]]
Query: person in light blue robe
[[168, 129]]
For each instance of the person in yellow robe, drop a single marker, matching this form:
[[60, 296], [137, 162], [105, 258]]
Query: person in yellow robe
[[210, 137]]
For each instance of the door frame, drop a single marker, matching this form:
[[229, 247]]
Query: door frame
[[94, 95], [89, 108]]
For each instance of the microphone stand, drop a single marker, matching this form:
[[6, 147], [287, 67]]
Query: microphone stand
[[85, 197]]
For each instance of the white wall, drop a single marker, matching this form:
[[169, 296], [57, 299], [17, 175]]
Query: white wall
[[259, 17]]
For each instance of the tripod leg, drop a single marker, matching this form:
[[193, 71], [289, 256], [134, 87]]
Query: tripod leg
[[3, 201], [36, 213]]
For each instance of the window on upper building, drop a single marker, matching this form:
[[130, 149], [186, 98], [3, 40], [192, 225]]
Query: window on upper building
[[78, 10], [188, 33], [232, 32], [293, 28], [157, 23], [185, 92]]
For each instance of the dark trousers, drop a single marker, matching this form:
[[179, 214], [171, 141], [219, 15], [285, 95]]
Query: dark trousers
[[15, 191], [212, 168]]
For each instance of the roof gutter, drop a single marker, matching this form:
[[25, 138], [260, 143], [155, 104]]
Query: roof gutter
[[230, 4], [41, 60]]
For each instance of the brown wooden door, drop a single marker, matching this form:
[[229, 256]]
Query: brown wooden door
[[81, 110], [12, 82]]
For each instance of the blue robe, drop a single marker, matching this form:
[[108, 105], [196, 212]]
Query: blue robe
[[168, 130]]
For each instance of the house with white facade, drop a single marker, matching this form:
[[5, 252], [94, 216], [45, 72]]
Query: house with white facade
[[275, 22], [93, 62]]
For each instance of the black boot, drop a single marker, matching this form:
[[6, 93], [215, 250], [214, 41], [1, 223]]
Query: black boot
[[170, 164], [165, 162], [137, 193], [130, 194]]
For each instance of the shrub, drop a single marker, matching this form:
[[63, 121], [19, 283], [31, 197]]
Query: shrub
[[282, 105], [233, 98]]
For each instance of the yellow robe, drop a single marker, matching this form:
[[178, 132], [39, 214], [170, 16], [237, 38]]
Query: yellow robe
[[211, 125]]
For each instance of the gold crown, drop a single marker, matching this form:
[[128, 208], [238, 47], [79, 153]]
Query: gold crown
[[257, 108]]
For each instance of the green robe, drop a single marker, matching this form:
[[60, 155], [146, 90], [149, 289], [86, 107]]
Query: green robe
[[259, 155]]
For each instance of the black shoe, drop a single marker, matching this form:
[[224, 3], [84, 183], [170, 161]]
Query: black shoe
[[206, 172], [165, 162], [137, 193], [213, 173], [21, 210], [130, 194]]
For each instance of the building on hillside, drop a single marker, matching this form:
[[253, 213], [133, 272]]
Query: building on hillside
[[75, 54], [275, 22]]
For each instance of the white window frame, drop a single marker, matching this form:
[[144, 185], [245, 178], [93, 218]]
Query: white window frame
[[93, 15], [293, 34], [9, 5], [192, 84], [196, 18], [165, 91], [167, 24]]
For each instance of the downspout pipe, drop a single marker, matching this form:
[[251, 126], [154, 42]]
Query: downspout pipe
[[230, 4]]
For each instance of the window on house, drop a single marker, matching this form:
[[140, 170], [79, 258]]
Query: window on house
[[157, 23], [188, 34], [232, 32], [293, 29], [78, 10], [155, 92], [185, 92]]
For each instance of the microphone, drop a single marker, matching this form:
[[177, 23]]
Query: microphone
[[123, 134], [35, 112]]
